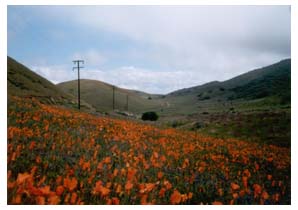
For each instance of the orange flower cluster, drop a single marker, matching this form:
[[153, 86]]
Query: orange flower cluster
[[60, 156]]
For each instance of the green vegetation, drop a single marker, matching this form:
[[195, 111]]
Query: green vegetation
[[23, 82], [152, 116], [262, 127], [100, 95], [255, 106], [275, 83], [57, 155]]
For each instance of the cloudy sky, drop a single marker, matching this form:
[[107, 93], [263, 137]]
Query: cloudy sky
[[157, 49]]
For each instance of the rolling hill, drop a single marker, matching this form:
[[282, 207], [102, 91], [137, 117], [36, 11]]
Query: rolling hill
[[269, 85], [260, 88], [254, 106], [23, 82], [100, 95]]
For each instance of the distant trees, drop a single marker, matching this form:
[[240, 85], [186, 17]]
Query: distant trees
[[152, 116]]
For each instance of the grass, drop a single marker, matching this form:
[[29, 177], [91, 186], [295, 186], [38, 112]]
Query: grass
[[23, 82], [270, 127], [100, 96]]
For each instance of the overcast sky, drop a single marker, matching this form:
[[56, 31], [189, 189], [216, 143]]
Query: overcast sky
[[157, 49]]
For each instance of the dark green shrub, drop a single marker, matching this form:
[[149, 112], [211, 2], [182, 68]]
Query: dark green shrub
[[152, 116]]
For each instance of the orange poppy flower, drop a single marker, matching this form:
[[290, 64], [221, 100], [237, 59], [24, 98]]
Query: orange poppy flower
[[109, 201], [257, 189], [246, 173], [17, 199], [265, 195], [73, 198], [45, 190], [128, 185], [107, 160], [144, 199], [32, 145], [58, 180], [40, 200], [217, 203], [235, 186], [162, 192], [167, 184], [97, 187], [86, 166], [159, 175], [59, 190], [118, 188], [70, 184], [104, 191], [175, 197], [53, 200], [131, 173], [115, 201], [149, 186], [115, 172], [23, 177], [244, 180]]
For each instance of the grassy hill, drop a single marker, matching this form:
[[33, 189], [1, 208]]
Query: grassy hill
[[272, 81], [255, 106], [23, 82], [100, 95], [265, 87]]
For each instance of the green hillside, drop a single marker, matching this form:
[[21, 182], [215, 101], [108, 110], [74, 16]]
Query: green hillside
[[267, 86], [254, 106], [100, 96], [275, 81], [23, 82]]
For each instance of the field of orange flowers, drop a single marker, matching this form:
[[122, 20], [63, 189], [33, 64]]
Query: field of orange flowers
[[61, 156]]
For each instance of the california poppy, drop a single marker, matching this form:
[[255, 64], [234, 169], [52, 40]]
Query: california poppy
[[175, 197]]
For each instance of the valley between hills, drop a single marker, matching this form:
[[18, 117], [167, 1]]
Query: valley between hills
[[223, 142]]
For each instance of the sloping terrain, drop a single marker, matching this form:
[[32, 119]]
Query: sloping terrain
[[58, 155], [62, 156], [23, 82], [271, 85], [255, 106], [100, 95]]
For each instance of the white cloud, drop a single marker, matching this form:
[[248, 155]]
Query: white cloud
[[186, 33], [127, 77], [190, 44], [55, 74], [91, 57]]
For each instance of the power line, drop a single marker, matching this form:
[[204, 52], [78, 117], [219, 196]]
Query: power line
[[78, 68]]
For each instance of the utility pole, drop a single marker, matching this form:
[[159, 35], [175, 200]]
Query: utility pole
[[78, 67], [113, 98]]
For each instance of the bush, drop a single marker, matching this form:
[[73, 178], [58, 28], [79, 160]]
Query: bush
[[152, 116]]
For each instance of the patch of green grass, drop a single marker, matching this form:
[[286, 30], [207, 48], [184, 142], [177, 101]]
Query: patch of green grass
[[262, 127]]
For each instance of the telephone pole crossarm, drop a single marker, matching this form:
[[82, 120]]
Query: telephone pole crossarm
[[78, 67]]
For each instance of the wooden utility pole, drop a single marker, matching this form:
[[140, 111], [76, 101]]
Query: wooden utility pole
[[78, 67]]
